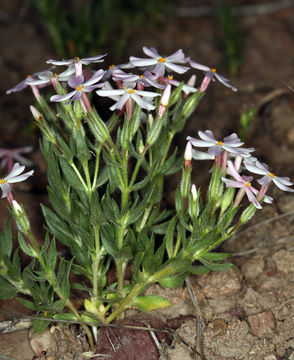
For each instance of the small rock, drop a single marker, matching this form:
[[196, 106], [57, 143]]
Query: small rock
[[284, 261], [262, 323], [285, 203], [270, 357], [216, 284], [253, 268]]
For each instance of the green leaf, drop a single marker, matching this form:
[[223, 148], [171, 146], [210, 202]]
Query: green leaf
[[172, 281], [216, 266], [28, 304], [151, 302], [65, 317], [216, 256], [63, 277], [97, 216], [68, 153], [52, 256], [199, 270], [70, 175], [102, 177], [57, 226], [172, 165], [7, 290], [59, 205], [40, 325], [169, 237], [25, 247], [6, 240]]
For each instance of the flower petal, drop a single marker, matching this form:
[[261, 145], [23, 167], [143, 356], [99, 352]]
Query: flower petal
[[20, 178], [64, 97], [180, 69], [177, 57], [152, 52], [6, 188], [16, 170], [142, 103], [119, 105]]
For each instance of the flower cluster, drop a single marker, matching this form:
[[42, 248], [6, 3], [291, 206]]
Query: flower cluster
[[223, 151], [154, 71]]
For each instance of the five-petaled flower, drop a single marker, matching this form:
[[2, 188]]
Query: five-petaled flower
[[230, 143], [210, 74], [242, 182], [13, 177], [282, 183], [80, 86], [161, 63], [129, 93], [78, 62]]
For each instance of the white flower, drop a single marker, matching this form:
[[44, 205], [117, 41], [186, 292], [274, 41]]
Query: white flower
[[127, 93], [161, 63], [262, 169], [13, 177], [230, 143]]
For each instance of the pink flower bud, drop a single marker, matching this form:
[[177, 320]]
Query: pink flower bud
[[188, 155], [36, 114], [192, 81], [164, 100]]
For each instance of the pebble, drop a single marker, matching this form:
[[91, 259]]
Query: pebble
[[284, 261], [253, 268], [216, 284], [262, 323]]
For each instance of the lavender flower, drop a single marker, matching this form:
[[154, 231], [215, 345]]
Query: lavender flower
[[84, 61], [210, 74], [46, 77], [8, 155], [129, 93], [29, 81], [147, 79], [161, 63], [229, 143], [13, 177], [262, 169], [80, 86], [186, 87], [77, 62], [242, 182]]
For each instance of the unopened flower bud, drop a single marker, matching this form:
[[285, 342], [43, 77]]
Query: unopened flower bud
[[194, 192], [192, 81], [193, 203], [36, 114], [188, 155], [21, 218], [164, 100]]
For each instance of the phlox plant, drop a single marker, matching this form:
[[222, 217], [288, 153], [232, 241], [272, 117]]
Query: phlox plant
[[106, 183]]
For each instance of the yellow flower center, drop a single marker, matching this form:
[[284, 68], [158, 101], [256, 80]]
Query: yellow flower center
[[220, 143], [111, 66], [131, 91], [213, 70], [161, 60], [55, 75], [271, 175], [248, 184], [2, 181], [28, 76], [78, 59], [79, 88], [170, 77], [141, 76]]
